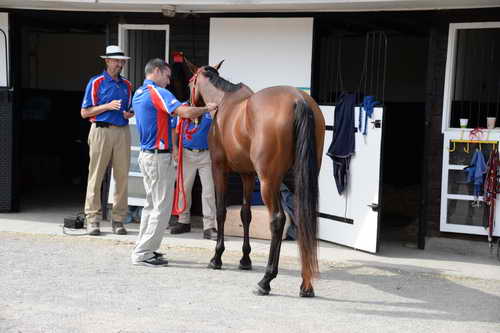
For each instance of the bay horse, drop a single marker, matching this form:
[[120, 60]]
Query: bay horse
[[267, 133]]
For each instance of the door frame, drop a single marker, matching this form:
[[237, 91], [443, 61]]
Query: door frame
[[8, 189], [123, 37]]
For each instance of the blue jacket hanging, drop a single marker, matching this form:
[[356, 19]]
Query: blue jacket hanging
[[369, 103], [476, 171], [343, 142]]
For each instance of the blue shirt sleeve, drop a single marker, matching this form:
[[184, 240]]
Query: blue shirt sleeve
[[87, 98]]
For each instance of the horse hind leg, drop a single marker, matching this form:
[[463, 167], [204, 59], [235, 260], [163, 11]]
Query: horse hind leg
[[246, 218], [306, 288], [220, 182], [270, 197]]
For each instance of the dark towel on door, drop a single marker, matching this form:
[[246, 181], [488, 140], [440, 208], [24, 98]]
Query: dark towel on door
[[343, 141]]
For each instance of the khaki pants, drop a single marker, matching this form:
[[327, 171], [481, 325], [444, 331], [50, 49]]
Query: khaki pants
[[108, 144], [159, 177], [201, 162]]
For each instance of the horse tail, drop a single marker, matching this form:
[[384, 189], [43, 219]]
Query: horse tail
[[306, 173]]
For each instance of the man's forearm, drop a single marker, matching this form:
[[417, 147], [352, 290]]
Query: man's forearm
[[190, 111], [93, 111]]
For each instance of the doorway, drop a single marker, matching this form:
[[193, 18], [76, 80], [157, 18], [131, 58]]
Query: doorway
[[56, 56], [338, 65]]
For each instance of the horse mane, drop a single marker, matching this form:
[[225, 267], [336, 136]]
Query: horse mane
[[213, 76]]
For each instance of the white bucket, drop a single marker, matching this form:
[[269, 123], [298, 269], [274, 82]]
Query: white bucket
[[464, 122], [491, 122]]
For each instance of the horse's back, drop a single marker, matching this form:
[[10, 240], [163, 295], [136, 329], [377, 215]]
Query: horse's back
[[256, 130], [273, 117], [275, 106], [271, 114]]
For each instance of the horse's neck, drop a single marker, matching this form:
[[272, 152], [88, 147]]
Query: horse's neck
[[239, 95], [212, 95]]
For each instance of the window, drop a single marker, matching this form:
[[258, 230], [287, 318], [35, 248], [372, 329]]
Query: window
[[472, 89]]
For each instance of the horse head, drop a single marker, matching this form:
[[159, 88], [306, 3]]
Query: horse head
[[198, 81]]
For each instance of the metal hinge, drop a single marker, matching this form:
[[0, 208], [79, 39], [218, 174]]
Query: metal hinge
[[374, 207], [377, 123]]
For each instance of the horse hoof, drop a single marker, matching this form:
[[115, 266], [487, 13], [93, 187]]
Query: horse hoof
[[259, 291], [213, 265], [307, 292], [245, 267]]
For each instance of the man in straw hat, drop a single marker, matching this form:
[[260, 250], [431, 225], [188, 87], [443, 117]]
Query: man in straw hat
[[107, 104]]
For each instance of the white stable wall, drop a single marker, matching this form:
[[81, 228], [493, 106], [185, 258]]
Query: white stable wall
[[263, 52]]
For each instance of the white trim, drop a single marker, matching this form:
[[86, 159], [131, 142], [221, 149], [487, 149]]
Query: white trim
[[467, 229], [235, 6], [475, 25], [136, 201], [464, 197], [449, 78], [5, 79], [135, 174], [456, 167]]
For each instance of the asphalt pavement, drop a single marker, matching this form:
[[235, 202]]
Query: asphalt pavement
[[50, 282]]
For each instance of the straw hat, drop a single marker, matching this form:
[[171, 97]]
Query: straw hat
[[114, 52]]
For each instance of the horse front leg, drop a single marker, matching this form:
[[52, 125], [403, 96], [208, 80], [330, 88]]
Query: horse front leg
[[220, 183], [246, 218], [270, 196]]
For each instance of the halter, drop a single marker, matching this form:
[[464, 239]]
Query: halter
[[194, 79]]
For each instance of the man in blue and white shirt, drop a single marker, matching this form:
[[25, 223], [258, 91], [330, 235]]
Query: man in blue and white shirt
[[196, 158], [154, 106]]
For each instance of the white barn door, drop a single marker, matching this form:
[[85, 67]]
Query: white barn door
[[352, 219]]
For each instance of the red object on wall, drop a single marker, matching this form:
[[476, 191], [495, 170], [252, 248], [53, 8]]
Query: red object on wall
[[178, 56]]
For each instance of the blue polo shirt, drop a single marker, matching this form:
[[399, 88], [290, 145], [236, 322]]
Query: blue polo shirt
[[199, 139], [153, 106], [102, 89]]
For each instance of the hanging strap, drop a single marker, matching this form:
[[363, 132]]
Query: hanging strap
[[183, 128], [179, 186]]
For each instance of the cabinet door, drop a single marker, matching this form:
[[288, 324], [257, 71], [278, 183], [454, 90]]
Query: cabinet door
[[461, 210]]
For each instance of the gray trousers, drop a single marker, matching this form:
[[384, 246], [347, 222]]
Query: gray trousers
[[201, 162], [159, 177]]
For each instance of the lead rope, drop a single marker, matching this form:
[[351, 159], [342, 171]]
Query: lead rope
[[179, 186], [183, 128]]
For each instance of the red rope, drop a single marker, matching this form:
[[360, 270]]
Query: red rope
[[179, 186], [183, 128]]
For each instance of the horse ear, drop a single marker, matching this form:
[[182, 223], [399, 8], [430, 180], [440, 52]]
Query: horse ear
[[193, 68], [218, 65]]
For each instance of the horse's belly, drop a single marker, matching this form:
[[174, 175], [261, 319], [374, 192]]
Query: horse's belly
[[240, 163]]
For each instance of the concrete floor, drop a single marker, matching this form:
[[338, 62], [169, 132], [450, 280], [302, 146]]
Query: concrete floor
[[51, 282]]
